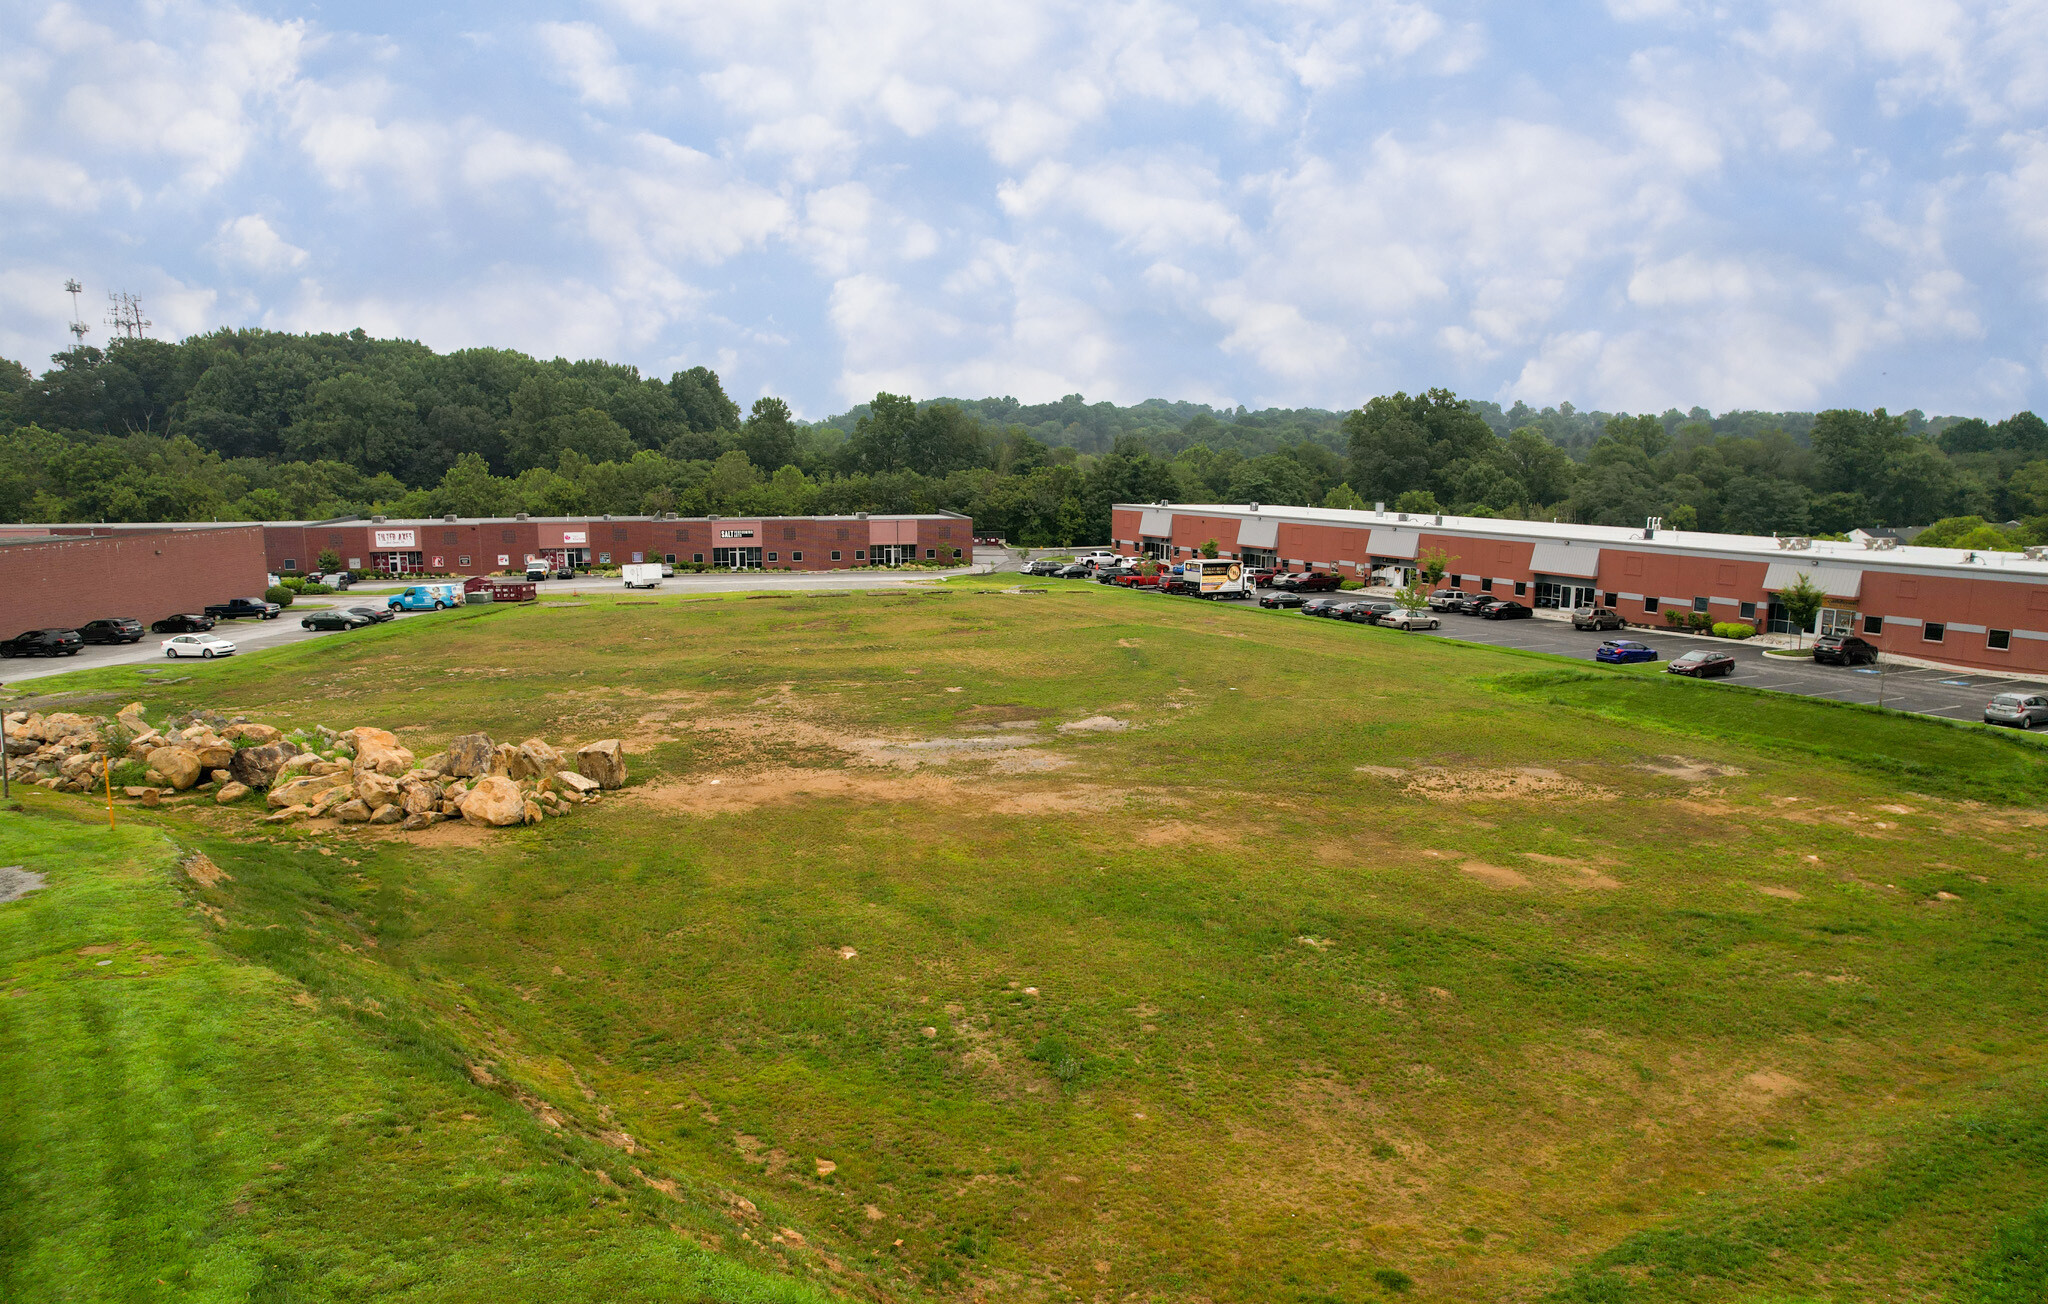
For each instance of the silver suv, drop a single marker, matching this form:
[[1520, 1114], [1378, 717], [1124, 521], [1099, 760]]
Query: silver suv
[[1447, 599], [1596, 618]]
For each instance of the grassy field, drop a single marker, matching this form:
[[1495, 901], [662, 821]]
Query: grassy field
[[1342, 966]]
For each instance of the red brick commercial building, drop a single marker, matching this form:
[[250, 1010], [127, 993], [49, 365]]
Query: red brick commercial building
[[1982, 609], [475, 545], [51, 579]]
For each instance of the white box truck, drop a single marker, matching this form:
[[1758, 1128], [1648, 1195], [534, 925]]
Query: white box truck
[[642, 576], [1215, 578]]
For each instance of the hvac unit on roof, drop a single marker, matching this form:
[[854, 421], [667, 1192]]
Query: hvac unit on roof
[[1880, 542], [1253, 506], [376, 520], [449, 518], [2037, 553], [1794, 542]]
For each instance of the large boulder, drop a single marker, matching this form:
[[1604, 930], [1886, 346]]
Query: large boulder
[[535, 759], [434, 766], [576, 783], [502, 757], [469, 755], [179, 766], [352, 812], [495, 800], [378, 749], [66, 724], [259, 766], [418, 796], [83, 767], [306, 790], [130, 718], [214, 752], [261, 734], [603, 761], [374, 789], [298, 763], [231, 792], [387, 814]]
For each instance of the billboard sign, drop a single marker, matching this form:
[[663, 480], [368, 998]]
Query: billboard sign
[[396, 539]]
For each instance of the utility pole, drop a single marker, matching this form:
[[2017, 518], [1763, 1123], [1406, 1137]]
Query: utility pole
[[126, 315], [78, 327]]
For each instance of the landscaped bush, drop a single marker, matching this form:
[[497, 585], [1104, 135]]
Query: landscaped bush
[[279, 594], [1733, 629], [293, 582], [1698, 621], [308, 589], [1674, 618]]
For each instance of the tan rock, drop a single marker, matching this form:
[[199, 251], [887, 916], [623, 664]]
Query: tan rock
[[495, 801], [418, 796], [502, 757], [603, 761], [178, 765], [134, 792], [130, 718], [80, 766], [392, 761], [352, 812], [260, 734], [434, 766], [288, 814], [153, 797], [421, 820], [68, 724], [570, 781], [451, 808], [222, 776], [535, 759], [388, 813], [374, 789], [534, 814], [306, 790], [298, 763], [50, 783], [469, 755], [231, 792], [213, 751]]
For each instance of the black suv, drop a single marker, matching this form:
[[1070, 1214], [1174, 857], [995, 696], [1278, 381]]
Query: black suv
[[43, 643], [1843, 650], [118, 629], [184, 623]]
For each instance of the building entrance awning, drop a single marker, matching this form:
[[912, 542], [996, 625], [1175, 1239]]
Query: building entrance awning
[[1576, 561], [1835, 581]]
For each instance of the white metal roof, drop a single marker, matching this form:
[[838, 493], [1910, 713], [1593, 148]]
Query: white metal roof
[[1853, 554]]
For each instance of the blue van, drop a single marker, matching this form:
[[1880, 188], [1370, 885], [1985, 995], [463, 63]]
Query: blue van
[[427, 597]]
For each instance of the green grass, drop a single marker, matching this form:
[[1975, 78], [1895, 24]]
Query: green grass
[[1281, 1047]]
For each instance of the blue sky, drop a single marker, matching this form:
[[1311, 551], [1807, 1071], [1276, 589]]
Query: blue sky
[[1630, 204]]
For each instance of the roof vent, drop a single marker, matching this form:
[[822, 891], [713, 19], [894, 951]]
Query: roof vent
[[1885, 543], [860, 516], [1160, 503], [1379, 509], [2037, 554], [519, 516], [1650, 526], [714, 517], [1439, 518], [1795, 542], [449, 518], [607, 516], [1400, 516], [376, 520], [1253, 506]]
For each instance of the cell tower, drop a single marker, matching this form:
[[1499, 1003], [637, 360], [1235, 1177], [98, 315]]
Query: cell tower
[[78, 326], [126, 315]]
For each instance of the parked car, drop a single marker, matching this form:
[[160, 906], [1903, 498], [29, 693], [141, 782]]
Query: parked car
[[1320, 607], [1100, 557], [1044, 566], [117, 629], [1446, 600], [2020, 710], [1261, 577], [668, 570], [43, 643], [1702, 664], [1621, 651], [204, 646], [1077, 570], [1371, 613], [1843, 650], [338, 618], [1410, 618], [565, 572], [1476, 605], [1596, 618], [236, 608], [182, 624], [536, 571], [1507, 610], [1309, 582], [375, 615], [1277, 599]]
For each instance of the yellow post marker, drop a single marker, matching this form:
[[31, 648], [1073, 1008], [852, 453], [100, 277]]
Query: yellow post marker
[[107, 768]]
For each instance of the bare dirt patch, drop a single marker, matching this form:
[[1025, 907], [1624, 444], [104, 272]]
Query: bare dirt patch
[[1495, 875], [1782, 893], [1095, 724], [1381, 771], [1503, 784], [1689, 768], [204, 872], [1180, 833], [775, 785]]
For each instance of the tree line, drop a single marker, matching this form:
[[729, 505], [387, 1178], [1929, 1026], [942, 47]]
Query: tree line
[[253, 424]]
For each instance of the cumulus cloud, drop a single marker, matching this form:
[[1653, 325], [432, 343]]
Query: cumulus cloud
[[250, 243]]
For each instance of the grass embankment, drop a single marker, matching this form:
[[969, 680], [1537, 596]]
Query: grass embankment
[[1358, 964]]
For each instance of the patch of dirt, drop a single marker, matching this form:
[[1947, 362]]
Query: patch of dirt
[[16, 883], [1380, 771], [1782, 893], [740, 792], [1493, 874], [1527, 781], [1179, 833], [1768, 1087], [1095, 724], [204, 872], [1689, 768]]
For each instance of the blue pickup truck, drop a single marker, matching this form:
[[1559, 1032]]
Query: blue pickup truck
[[427, 597]]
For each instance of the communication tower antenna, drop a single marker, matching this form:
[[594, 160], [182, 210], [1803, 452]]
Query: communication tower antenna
[[78, 326], [126, 315]]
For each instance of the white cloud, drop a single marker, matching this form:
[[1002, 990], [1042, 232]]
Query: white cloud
[[585, 58], [250, 243]]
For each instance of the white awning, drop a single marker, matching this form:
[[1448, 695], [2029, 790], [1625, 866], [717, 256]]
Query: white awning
[[1835, 581], [1401, 544], [1263, 532], [1156, 524], [1572, 560]]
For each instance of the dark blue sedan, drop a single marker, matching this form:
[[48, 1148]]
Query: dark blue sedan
[[1621, 651]]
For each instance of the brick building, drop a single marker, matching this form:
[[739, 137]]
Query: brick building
[[473, 545], [1985, 609], [50, 578]]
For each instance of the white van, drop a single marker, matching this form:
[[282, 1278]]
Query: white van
[[642, 575]]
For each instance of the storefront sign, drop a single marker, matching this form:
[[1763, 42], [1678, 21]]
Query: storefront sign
[[735, 534], [396, 539], [440, 562], [574, 538], [504, 559]]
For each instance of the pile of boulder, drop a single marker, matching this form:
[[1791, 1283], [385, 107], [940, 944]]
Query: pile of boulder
[[358, 776]]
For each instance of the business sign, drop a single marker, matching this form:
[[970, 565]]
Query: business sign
[[574, 537], [396, 539], [504, 559], [439, 562], [735, 534]]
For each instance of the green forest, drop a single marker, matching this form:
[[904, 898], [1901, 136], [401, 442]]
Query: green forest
[[261, 425]]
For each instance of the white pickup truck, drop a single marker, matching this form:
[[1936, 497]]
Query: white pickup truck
[[642, 575]]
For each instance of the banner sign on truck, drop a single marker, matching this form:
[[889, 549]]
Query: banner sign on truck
[[397, 539]]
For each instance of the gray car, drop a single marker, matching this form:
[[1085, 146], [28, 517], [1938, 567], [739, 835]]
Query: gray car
[[1596, 618], [2020, 710]]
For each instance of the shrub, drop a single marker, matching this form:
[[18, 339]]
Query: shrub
[[1698, 620], [308, 589], [281, 595], [293, 582], [1734, 629], [1674, 618]]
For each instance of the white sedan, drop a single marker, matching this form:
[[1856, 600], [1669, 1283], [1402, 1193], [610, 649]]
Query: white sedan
[[208, 646], [1410, 618]]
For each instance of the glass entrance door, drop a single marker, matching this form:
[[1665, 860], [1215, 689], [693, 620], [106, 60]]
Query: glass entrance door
[[892, 554], [737, 558], [1564, 595]]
